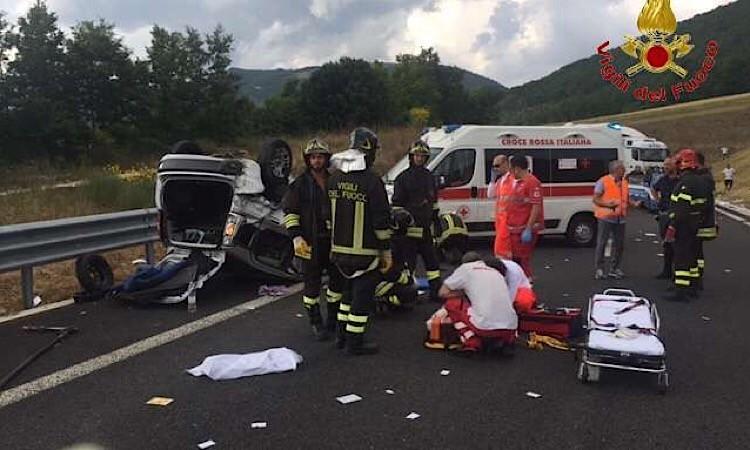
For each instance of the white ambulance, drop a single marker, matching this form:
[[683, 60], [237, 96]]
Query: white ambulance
[[567, 159]]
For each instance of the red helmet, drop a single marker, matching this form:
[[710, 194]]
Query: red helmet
[[687, 158]]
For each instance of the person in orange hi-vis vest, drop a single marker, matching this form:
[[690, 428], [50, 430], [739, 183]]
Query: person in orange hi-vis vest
[[611, 199], [525, 213], [500, 188]]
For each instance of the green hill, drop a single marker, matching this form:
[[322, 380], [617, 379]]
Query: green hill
[[577, 90], [259, 85]]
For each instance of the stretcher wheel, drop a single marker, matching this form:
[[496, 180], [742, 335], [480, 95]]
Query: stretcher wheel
[[583, 373], [594, 373], [662, 381]]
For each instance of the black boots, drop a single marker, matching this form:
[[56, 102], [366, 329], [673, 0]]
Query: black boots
[[319, 332], [356, 345], [341, 335]]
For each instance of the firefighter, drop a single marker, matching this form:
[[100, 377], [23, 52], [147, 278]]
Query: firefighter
[[306, 213], [687, 210], [361, 235], [396, 288], [414, 190], [709, 229]]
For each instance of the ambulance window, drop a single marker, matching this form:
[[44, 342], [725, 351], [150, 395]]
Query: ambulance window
[[538, 161], [634, 154], [581, 165], [457, 167]]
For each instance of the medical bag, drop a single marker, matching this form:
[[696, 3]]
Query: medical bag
[[561, 323]]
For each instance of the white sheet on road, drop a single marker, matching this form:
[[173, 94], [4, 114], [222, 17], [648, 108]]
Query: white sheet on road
[[229, 367]]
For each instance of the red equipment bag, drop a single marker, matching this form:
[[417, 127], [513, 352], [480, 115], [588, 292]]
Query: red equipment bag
[[561, 323]]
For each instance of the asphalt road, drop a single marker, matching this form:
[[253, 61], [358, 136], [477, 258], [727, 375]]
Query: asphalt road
[[481, 403]]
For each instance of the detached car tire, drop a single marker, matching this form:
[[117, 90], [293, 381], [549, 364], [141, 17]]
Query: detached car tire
[[94, 273]]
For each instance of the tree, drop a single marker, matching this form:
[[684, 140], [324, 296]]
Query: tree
[[344, 94], [415, 81], [102, 77], [225, 110], [35, 82]]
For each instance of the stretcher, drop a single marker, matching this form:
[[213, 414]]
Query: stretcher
[[623, 334]]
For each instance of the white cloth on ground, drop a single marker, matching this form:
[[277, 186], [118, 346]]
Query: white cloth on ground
[[230, 366], [491, 305]]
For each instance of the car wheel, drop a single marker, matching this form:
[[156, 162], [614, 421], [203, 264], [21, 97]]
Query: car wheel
[[275, 165], [94, 273], [582, 231]]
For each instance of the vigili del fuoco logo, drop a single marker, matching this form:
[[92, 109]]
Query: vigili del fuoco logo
[[659, 50]]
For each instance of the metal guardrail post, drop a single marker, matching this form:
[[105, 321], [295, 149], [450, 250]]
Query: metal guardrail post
[[150, 257], [27, 286]]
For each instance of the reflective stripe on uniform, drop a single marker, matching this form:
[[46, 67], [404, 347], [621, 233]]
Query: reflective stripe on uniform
[[355, 251], [332, 296], [291, 220], [359, 224], [310, 301], [355, 329], [382, 288], [354, 318], [701, 263], [681, 196], [393, 300], [433, 275], [382, 235], [415, 232], [709, 232], [681, 282], [333, 217], [345, 308], [683, 273], [405, 277], [343, 314]]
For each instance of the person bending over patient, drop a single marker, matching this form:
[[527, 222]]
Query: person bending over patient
[[479, 304]]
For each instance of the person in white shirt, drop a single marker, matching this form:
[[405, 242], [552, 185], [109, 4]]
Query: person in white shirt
[[479, 303], [729, 177]]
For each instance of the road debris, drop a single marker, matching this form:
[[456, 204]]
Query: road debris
[[37, 301], [548, 267], [706, 318], [649, 234], [229, 367], [160, 401], [299, 315], [390, 391], [445, 372], [259, 425], [533, 394], [207, 444], [638, 240], [727, 270], [566, 259], [346, 399], [273, 291], [656, 242], [413, 416], [660, 255], [566, 295]]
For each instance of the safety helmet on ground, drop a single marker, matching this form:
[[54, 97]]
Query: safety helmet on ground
[[401, 220], [316, 146], [687, 159]]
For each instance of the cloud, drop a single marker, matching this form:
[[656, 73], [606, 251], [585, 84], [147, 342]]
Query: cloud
[[512, 41]]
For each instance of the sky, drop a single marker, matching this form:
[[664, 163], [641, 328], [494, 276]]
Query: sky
[[511, 41]]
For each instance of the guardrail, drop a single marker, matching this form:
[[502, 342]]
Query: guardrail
[[25, 246]]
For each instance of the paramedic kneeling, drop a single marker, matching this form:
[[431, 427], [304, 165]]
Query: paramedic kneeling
[[478, 303]]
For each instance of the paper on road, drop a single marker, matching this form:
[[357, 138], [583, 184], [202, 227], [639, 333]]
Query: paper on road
[[160, 401], [390, 391], [413, 416], [346, 399], [533, 394], [445, 372], [207, 444], [259, 425], [229, 367]]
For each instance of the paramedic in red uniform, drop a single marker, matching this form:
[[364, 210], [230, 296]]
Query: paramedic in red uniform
[[500, 188], [479, 304], [525, 212]]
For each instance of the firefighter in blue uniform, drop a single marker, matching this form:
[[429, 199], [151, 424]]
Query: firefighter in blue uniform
[[361, 238]]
